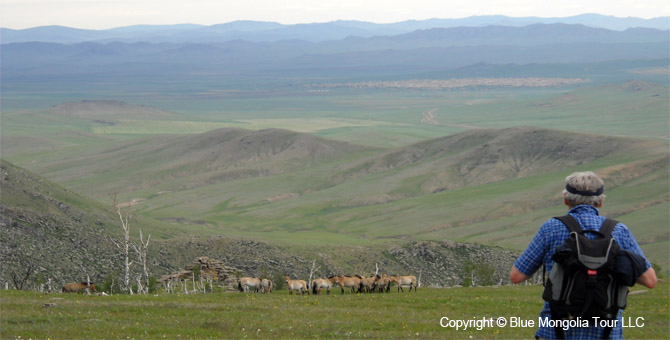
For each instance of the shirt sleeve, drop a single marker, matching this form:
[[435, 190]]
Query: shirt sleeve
[[531, 259], [629, 243]]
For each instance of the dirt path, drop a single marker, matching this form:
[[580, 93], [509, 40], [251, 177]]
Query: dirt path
[[430, 117]]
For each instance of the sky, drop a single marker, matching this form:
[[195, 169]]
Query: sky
[[104, 14]]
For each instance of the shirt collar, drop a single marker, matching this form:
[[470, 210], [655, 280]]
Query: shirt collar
[[584, 209]]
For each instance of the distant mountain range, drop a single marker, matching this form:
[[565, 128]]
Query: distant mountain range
[[313, 32], [428, 50]]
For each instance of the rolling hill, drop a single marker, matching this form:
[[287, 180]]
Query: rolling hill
[[59, 236], [493, 186], [183, 162]]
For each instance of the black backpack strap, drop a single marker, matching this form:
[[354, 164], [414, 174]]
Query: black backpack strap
[[570, 222], [607, 332], [608, 226], [606, 229], [560, 333]]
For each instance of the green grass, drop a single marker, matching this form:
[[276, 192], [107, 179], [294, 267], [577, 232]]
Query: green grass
[[395, 315]]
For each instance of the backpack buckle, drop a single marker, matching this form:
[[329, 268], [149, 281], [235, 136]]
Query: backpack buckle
[[592, 272]]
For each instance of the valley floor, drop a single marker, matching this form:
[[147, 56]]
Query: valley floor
[[416, 315]]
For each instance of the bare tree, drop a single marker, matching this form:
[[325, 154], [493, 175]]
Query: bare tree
[[125, 246], [140, 289], [88, 285], [20, 280], [311, 273], [141, 251]]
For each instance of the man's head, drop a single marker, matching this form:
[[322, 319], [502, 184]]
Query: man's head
[[584, 188]]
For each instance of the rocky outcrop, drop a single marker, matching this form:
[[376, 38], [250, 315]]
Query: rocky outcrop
[[215, 270]]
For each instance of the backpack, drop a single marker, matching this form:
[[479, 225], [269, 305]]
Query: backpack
[[582, 283]]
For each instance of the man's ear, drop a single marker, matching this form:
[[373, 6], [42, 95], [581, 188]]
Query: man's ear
[[565, 200], [602, 200]]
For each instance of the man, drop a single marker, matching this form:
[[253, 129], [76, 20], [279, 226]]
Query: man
[[583, 195]]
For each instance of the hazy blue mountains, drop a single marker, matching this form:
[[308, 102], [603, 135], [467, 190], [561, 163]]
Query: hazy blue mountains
[[418, 51], [314, 32]]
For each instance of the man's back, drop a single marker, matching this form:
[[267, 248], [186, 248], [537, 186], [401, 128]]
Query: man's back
[[583, 195]]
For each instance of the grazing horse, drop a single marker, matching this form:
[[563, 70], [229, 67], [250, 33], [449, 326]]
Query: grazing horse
[[408, 280], [382, 283], [351, 282], [319, 284], [297, 285], [244, 284], [77, 287], [266, 285], [368, 283]]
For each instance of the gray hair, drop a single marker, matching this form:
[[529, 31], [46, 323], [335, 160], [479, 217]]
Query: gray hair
[[586, 182]]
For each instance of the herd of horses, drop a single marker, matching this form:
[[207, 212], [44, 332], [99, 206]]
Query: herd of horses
[[355, 284]]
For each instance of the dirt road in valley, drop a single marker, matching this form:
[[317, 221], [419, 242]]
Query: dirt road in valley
[[430, 117]]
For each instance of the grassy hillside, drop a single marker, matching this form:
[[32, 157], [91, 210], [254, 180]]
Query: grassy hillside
[[490, 186], [188, 161], [63, 237]]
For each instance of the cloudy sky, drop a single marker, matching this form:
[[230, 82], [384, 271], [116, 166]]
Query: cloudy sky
[[102, 14]]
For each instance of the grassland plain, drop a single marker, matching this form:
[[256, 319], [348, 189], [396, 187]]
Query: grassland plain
[[415, 315]]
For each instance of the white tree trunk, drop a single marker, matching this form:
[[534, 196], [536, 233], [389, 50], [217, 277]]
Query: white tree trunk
[[141, 251], [311, 273], [140, 289], [125, 247]]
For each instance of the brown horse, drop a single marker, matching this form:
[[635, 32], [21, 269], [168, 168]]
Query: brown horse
[[77, 287], [297, 285], [368, 284], [408, 280], [319, 284], [245, 284], [382, 283], [351, 282], [266, 285]]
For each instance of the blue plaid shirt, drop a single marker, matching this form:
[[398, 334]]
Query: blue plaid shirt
[[540, 250]]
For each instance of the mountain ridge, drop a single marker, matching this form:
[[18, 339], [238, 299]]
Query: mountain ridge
[[434, 50], [333, 30]]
